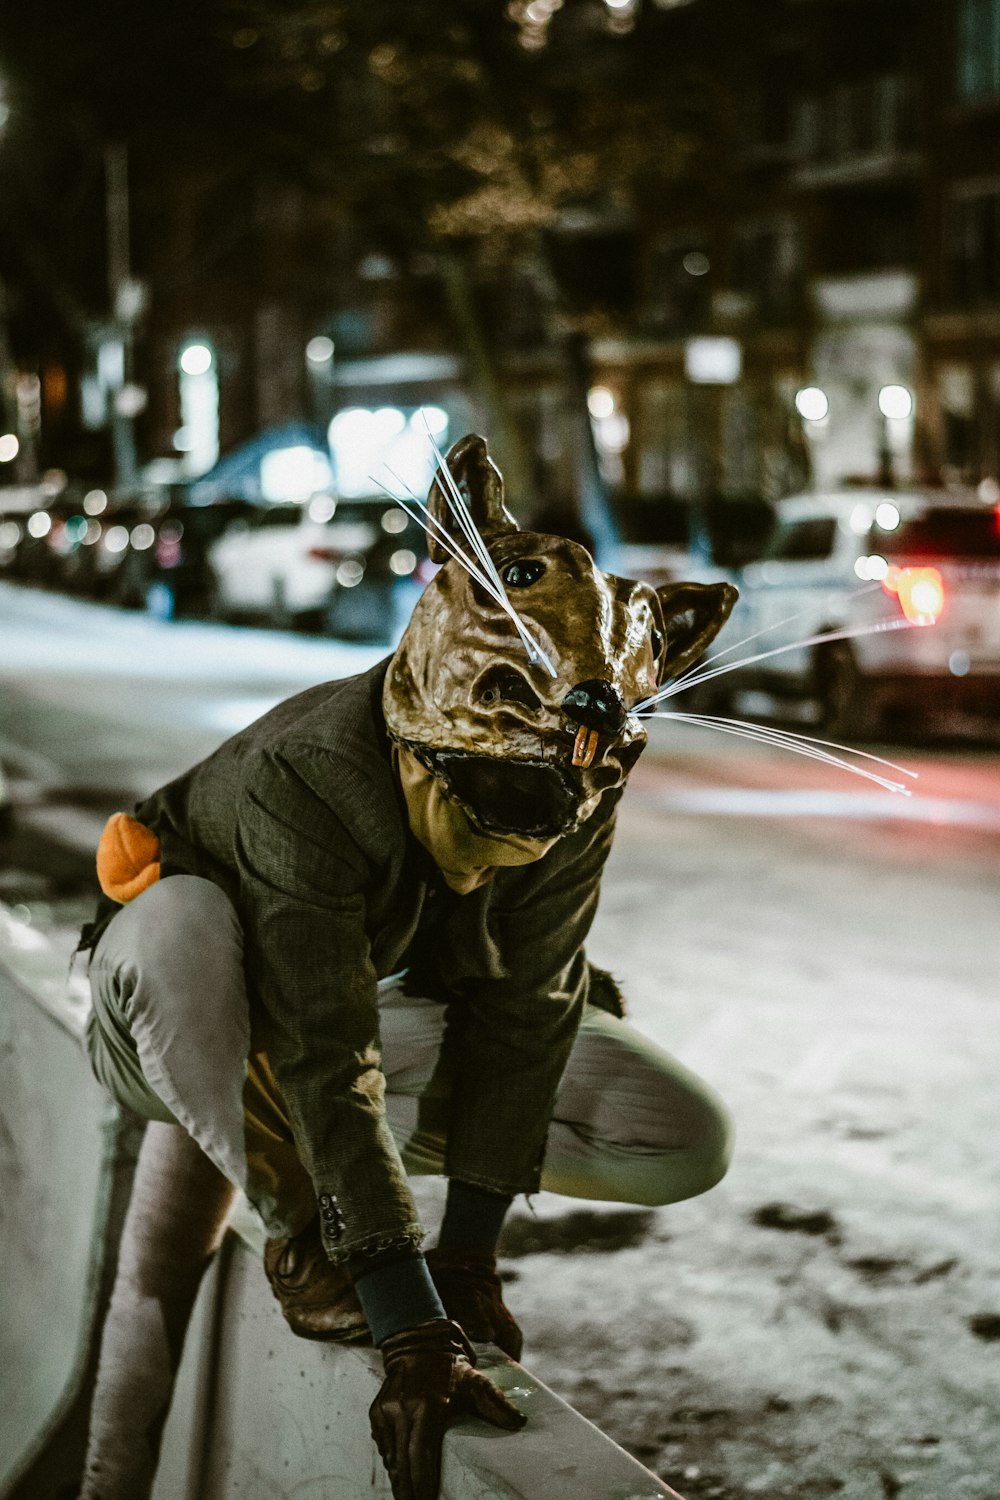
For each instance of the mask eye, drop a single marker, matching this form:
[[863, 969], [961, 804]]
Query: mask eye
[[523, 573]]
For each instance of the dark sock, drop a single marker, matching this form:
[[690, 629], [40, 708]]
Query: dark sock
[[473, 1218], [396, 1293]]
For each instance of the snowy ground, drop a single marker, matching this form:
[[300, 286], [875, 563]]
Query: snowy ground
[[826, 1321]]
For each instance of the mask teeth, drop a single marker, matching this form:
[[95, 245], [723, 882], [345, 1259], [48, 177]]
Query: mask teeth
[[585, 746]]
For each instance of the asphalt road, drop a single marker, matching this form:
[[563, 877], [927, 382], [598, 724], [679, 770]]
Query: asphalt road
[[826, 1321]]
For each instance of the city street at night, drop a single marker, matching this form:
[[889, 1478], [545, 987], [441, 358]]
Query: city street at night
[[423, 425], [824, 952]]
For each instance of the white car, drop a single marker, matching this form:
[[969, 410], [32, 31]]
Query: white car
[[910, 582], [295, 563]]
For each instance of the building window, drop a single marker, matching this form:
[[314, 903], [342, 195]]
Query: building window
[[972, 246], [864, 231], [773, 117], [767, 266], [864, 118], [679, 284], [978, 51], [804, 541]]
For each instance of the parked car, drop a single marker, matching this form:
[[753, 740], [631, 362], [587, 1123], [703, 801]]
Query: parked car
[[920, 566], [17, 504], [654, 537], [662, 537], [340, 565], [138, 549], [60, 541], [164, 566], [37, 538]]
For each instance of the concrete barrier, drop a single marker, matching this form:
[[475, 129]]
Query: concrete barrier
[[257, 1413], [66, 1161]]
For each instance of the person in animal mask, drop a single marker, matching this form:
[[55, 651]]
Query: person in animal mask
[[349, 946]]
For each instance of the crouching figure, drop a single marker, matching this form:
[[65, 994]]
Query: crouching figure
[[349, 947]]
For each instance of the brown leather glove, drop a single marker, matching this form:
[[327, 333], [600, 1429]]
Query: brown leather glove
[[430, 1381], [472, 1293]]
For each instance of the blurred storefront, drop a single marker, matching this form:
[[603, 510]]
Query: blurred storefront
[[822, 307]]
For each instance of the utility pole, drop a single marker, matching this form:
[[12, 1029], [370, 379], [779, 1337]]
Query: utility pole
[[8, 406], [125, 297]]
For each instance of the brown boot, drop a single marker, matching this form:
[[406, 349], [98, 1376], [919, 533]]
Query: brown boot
[[317, 1297], [472, 1293]]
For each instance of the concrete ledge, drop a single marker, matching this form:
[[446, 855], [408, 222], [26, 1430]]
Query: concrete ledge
[[66, 1158], [257, 1413]]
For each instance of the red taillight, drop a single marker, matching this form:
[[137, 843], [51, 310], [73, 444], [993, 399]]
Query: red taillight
[[324, 554], [920, 592]]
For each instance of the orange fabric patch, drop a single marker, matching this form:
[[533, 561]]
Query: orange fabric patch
[[128, 858]]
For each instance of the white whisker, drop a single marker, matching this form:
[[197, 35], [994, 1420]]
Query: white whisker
[[681, 686], [798, 745], [439, 534], [460, 510], [456, 503], [772, 731]]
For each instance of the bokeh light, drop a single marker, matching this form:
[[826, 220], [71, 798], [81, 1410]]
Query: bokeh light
[[895, 402], [812, 404], [319, 350], [600, 403], [196, 359]]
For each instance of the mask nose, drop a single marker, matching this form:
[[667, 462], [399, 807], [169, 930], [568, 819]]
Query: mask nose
[[597, 705]]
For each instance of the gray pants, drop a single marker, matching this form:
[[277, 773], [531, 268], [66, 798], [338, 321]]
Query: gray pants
[[169, 1036]]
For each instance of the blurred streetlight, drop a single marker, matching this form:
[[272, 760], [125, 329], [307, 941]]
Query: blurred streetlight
[[812, 404], [196, 359], [319, 350], [198, 435], [895, 402], [126, 299], [600, 402], [9, 447], [696, 263], [319, 373]]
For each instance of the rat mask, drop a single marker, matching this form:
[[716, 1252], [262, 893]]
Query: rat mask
[[525, 746]]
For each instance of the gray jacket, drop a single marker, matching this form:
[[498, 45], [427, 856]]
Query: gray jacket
[[301, 820]]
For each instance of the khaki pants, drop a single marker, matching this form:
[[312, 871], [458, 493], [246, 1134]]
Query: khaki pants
[[169, 1036]]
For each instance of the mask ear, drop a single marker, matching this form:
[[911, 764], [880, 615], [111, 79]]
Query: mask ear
[[480, 484], [693, 614]]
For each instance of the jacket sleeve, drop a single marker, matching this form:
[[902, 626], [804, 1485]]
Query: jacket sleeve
[[302, 892], [509, 1038]]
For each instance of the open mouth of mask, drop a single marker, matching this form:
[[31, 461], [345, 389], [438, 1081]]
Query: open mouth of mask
[[533, 798]]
